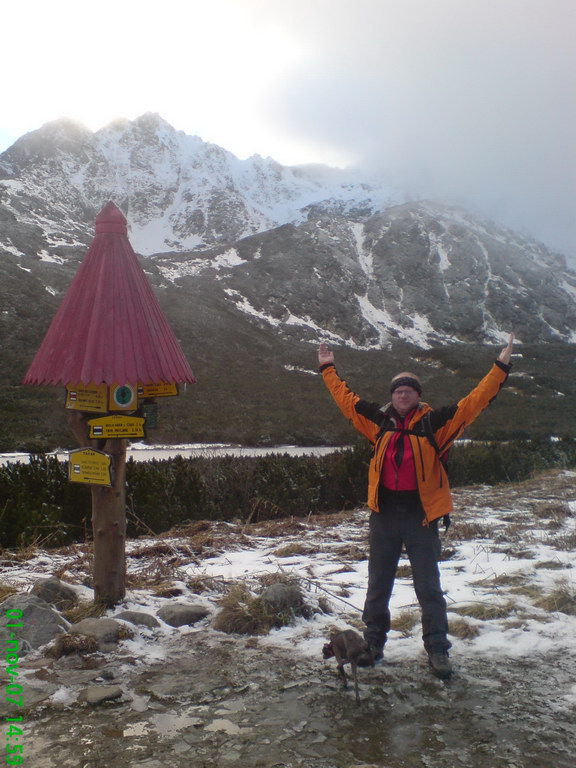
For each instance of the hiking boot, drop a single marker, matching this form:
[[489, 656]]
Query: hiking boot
[[369, 657], [440, 664]]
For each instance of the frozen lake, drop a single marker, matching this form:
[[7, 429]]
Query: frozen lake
[[143, 452]]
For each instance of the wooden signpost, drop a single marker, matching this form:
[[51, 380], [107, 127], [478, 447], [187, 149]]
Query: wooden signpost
[[115, 353]]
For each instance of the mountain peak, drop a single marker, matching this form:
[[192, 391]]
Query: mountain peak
[[64, 135], [371, 266], [152, 121]]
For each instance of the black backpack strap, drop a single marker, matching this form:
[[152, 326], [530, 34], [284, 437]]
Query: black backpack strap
[[428, 431]]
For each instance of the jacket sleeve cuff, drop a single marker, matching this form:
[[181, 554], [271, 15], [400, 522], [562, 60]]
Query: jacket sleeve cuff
[[504, 366], [326, 365]]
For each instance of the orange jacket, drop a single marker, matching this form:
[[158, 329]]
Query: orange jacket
[[447, 424]]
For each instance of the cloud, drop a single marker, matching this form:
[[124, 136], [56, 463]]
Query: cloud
[[470, 100]]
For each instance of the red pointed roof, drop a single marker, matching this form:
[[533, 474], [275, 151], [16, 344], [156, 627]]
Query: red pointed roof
[[110, 327]]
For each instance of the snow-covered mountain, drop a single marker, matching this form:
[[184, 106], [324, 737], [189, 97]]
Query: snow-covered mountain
[[310, 252], [419, 273], [177, 191]]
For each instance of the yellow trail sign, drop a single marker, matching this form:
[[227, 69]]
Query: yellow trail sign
[[87, 465], [117, 426], [157, 390], [91, 397]]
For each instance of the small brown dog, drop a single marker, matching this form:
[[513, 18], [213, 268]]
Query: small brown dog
[[346, 646]]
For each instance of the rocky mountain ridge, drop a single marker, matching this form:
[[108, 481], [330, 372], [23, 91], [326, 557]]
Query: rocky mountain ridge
[[177, 191], [311, 251], [418, 273]]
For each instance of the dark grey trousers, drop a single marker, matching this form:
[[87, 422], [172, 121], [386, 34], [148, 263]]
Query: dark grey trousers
[[398, 523]]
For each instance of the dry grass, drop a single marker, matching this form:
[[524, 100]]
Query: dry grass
[[405, 622], [467, 530], [325, 606], [532, 591], [200, 584], [68, 644], [7, 589], [562, 599], [277, 528], [245, 614], [485, 611], [351, 552], [85, 611], [241, 613], [156, 573], [21, 555], [167, 589], [508, 580], [342, 569], [161, 549], [404, 572], [126, 633], [512, 534], [552, 565], [513, 553], [463, 629], [448, 553], [295, 548], [76, 570], [355, 621], [278, 577], [331, 519], [565, 543], [558, 510]]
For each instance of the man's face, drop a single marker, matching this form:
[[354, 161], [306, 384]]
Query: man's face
[[405, 399]]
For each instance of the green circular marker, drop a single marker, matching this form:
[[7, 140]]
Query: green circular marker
[[123, 395]]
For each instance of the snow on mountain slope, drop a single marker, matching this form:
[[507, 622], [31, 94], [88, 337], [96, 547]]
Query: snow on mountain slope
[[178, 191], [420, 273]]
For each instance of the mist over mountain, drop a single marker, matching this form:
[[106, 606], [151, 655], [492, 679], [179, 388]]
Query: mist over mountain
[[248, 254]]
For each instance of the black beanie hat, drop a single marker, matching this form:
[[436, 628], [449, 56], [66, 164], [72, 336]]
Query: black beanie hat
[[406, 381]]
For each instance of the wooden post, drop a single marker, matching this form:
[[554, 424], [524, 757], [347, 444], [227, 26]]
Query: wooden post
[[109, 529], [108, 516]]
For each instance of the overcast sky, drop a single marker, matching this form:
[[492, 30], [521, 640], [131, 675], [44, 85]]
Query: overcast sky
[[470, 101]]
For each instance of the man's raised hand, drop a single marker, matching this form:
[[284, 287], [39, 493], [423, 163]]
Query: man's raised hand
[[325, 355], [506, 353]]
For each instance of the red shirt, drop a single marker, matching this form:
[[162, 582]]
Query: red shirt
[[398, 469]]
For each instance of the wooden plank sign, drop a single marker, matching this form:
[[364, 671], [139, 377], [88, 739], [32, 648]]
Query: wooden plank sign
[[123, 397], [118, 425], [157, 390], [92, 397], [87, 465]]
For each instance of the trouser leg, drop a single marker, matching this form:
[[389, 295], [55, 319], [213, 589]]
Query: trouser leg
[[423, 550], [385, 547]]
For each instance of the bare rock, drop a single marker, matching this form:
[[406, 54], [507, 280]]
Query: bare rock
[[283, 597], [55, 592], [105, 631], [179, 614], [40, 622], [138, 618], [98, 694]]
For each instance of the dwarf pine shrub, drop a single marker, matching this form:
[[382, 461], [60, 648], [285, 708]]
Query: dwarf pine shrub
[[39, 505]]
